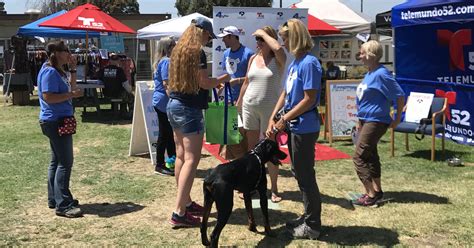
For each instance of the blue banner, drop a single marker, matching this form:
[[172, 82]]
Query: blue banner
[[440, 56], [113, 43]]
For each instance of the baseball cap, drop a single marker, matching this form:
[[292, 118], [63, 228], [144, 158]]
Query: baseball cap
[[233, 30], [205, 24]]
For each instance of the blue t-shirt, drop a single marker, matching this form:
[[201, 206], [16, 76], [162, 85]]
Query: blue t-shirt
[[160, 98], [375, 94], [50, 81], [198, 100], [303, 74], [235, 63]]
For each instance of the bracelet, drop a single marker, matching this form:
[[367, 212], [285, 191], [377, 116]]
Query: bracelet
[[72, 71]]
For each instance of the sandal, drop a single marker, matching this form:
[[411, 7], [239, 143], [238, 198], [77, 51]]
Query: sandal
[[275, 198]]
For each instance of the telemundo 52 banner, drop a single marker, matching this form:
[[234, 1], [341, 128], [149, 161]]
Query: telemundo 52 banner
[[440, 56]]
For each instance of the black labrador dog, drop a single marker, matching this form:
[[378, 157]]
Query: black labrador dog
[[244, 174]]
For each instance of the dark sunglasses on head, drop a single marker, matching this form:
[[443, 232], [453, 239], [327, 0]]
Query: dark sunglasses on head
[[259, 39]]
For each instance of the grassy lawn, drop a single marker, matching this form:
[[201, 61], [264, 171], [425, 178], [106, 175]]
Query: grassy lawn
[[125, 204]]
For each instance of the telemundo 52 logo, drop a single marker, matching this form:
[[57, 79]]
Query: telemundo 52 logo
[[456, 42], [241, 15]]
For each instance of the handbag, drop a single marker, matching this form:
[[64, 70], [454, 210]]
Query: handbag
[[420, 130], [67, 126], [222, 120]]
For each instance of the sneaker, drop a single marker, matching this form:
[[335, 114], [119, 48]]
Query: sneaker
[[162, 170], [195, 209], [170, 161], [72, 212], [304, 231], [52, 205], [184, 221], [294, 223], [367, 201]]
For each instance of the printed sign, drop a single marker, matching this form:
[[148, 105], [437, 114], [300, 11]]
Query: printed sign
[[145, 122], [418, 106], [247, 20], [341, 107], [113, 43]]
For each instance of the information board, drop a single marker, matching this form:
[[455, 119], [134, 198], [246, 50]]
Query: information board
[[341, 107], [145, 122]]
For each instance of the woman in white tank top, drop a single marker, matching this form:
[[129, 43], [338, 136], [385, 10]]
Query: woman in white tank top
[[260, 92]]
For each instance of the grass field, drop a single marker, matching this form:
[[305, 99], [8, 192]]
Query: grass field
[[125, 204]]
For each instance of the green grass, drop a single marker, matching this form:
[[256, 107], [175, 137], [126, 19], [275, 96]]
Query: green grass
[[126, 205]]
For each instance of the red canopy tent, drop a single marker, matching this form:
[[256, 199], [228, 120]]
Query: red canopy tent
[[319, 27], [88, 17]]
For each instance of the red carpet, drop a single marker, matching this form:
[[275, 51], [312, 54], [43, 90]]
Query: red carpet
[[321, 152]]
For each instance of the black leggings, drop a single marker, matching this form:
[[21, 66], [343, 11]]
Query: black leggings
[[165, 138]]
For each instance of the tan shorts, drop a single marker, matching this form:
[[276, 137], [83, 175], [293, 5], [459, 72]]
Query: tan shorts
[[256, 117]]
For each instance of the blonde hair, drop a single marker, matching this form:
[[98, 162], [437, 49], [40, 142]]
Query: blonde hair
[[184, 62], [164, 49], [299, 39], [372, 49], [272, 33]]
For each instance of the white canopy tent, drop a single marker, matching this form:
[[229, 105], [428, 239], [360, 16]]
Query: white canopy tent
[[337, 14], [172, 27]]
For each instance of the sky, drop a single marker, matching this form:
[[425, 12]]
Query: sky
[[370, 7]]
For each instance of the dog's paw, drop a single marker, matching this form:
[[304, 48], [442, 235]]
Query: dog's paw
[[269, 232], [206, 243]]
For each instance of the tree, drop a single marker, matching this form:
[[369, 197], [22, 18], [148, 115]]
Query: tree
[[109, 7], [204, 7]]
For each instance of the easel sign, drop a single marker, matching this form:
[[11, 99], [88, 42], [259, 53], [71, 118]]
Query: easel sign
[[418, 106], [341, 108], [144, 124]]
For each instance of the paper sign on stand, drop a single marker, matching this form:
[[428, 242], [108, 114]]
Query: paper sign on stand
[[144, 124], [418, 106]]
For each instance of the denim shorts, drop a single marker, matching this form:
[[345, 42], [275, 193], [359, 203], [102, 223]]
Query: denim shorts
[[185, 119]]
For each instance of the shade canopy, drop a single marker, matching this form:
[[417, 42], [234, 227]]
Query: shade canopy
[[32, 29], [336, 14], [383, 23], [318, 27], [88, 17], [172, 27]]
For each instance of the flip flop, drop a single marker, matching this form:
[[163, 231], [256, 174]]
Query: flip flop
[[275, 198]]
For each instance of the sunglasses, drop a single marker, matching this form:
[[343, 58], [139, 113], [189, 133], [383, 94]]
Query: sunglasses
[[259, 39]]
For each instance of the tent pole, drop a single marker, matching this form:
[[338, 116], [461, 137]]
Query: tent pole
[[6, 94], [86, 67]]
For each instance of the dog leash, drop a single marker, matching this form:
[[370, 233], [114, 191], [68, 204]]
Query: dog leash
[[261, 169]]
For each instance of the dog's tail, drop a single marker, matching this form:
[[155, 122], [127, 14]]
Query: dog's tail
[[208, 201]]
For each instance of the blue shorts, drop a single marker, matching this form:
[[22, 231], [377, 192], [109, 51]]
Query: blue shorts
[[185, 119]]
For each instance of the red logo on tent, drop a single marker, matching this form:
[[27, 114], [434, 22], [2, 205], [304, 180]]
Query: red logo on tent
[[455, 42]]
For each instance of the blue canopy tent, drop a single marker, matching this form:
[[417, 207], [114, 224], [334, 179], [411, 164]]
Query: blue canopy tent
[[434, 50], [32, 29]]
